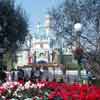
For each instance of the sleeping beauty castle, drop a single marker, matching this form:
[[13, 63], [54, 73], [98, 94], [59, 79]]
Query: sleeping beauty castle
[[43, 47]]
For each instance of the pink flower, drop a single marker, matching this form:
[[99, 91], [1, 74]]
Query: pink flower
[[2, 90]]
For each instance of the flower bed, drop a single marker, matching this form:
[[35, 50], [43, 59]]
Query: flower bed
[[48, 91]]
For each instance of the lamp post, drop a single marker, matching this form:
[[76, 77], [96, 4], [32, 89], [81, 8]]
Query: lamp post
[[79, 51], [78, 28]]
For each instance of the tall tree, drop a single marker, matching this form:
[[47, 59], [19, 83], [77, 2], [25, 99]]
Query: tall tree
[[13, 26], [86, 12], [77, 11]]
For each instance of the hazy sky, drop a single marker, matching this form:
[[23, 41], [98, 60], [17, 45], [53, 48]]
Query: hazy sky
[[36, 10]]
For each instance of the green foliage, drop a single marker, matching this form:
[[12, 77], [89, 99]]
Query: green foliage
[[96, 82], [7, 59], [14, 27], [61, 80], [2, 77]]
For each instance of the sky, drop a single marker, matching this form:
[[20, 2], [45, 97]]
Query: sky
[[36, 10]]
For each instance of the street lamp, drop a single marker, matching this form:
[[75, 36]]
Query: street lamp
[[79, 51], [77, 29]]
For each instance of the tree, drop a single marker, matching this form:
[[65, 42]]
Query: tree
[[70, 12], [13, 26]]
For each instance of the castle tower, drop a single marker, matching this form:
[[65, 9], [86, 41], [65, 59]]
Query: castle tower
[[48, 24]]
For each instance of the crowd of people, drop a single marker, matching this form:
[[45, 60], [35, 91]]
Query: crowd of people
[[36, 74]]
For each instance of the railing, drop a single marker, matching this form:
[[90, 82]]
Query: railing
[[40, 65]]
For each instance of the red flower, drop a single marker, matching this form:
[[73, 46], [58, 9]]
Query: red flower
[[21, 82], [51, 95], [65, 86], [64, 95], [84, 88], [75, 88], [98, 96], [75, 97], [52, 85], [91, 96], [82, 96]]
